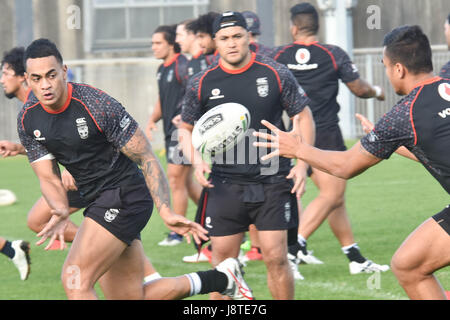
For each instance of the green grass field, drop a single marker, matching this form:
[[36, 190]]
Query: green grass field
[[385, 205]]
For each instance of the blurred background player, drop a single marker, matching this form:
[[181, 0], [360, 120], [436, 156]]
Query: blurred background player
[[318, 68], [172, 77], [190, 46], [445, 71], [15, 86], [254, 29], [204, 34]]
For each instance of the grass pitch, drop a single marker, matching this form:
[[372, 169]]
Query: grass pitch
[[385, 204]]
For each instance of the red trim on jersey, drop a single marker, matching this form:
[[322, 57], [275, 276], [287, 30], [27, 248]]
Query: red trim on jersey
[[421, 84], [411, 115], [25, 112], [201, 82], [329, 53], [241, 70], [197, 55], [282, 51], [205, 201], [27, 94], [66, 104], [168, 63], [89, 113], [275, 71]]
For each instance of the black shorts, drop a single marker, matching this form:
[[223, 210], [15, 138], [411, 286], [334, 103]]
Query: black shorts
[[443, 219], [75, 200], [174, 154], [230, 208], [329, 138], [122, 211]]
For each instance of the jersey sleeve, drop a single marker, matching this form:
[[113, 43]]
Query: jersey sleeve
[[190, 105], [445, 71], [392, 131], [347, 70], [293, 97], [35, 150]]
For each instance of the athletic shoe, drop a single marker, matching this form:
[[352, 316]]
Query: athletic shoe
[[308, 258], [247, 245], [293, 263], [367, 266], [236, 289], [252, 255], [204, 256], [21, 258], [172, 240]]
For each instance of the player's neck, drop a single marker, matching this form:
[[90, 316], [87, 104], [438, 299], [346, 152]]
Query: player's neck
[[416, 80], [60, 103], [169, 57], [238, 66], [22, 93], [302, 38]]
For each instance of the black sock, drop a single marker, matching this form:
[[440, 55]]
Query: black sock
[[295, 248], [212, 281], [353, 254], [8, 250]]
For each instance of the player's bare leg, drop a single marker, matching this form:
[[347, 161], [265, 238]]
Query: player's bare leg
[[40, 214], [340, 225], [279, 275], [177, 175], [93, 252], [224, 247], [425, 251]]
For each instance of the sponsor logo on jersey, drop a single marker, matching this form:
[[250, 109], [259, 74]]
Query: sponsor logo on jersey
[[216, 94], [372, 136], [302, 56], [262, 85], [125, 122], [37, 135], [111, 214], [444, 91], [210, 122], [208, 223], [444, 113], [83, 129]]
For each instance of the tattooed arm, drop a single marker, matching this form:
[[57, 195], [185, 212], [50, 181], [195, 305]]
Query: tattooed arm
[[139, 150]]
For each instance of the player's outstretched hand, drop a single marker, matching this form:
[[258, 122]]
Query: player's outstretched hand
[[185, 227], [55, 229], [367, 126], [286, 144]]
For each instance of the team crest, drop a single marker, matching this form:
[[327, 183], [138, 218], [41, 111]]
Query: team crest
[[302, 56], [83, 129], [444, 91], [262, 85], [111, 214]]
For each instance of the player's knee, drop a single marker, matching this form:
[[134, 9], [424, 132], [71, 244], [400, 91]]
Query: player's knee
[[334, 199], [33, 224], [405, 267]]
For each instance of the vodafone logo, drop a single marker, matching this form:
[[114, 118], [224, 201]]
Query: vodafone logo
[[444, 91], [37, 133], [302, 56]]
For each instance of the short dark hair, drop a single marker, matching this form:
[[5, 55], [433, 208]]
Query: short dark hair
[[14, 58], [169, 34], [41, 48], [305, 17], [204, 23], [409, 46]]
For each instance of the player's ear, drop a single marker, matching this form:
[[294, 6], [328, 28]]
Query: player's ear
[[400, 70], [65, 72]]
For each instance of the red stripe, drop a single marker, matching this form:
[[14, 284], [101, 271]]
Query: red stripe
[[240, 70], [282, 51], [329, 53], [89, 114], [411, 115], [205, 200], [201, 82], [276, 73]]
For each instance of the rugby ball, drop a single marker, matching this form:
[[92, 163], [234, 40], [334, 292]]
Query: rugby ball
[[7, 197], [221, 128]]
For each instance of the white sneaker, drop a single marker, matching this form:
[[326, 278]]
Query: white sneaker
[[236, 289], [293, 263], [172, 239], [21, 258], [308, 258], [367, 266], [202, 257]]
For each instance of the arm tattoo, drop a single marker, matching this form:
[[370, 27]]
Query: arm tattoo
[[138, 149]]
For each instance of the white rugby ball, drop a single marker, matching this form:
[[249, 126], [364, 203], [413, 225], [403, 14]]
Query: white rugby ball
[[7, 197], [221, 128]]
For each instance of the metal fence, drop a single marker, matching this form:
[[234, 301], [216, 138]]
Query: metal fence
[[132, 81]]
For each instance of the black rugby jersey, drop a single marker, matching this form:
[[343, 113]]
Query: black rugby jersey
[[265, 88], [197, 64], [445, 71], [261, 49], [420, 122], [318, 68], [85, 136], [171, 77]]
